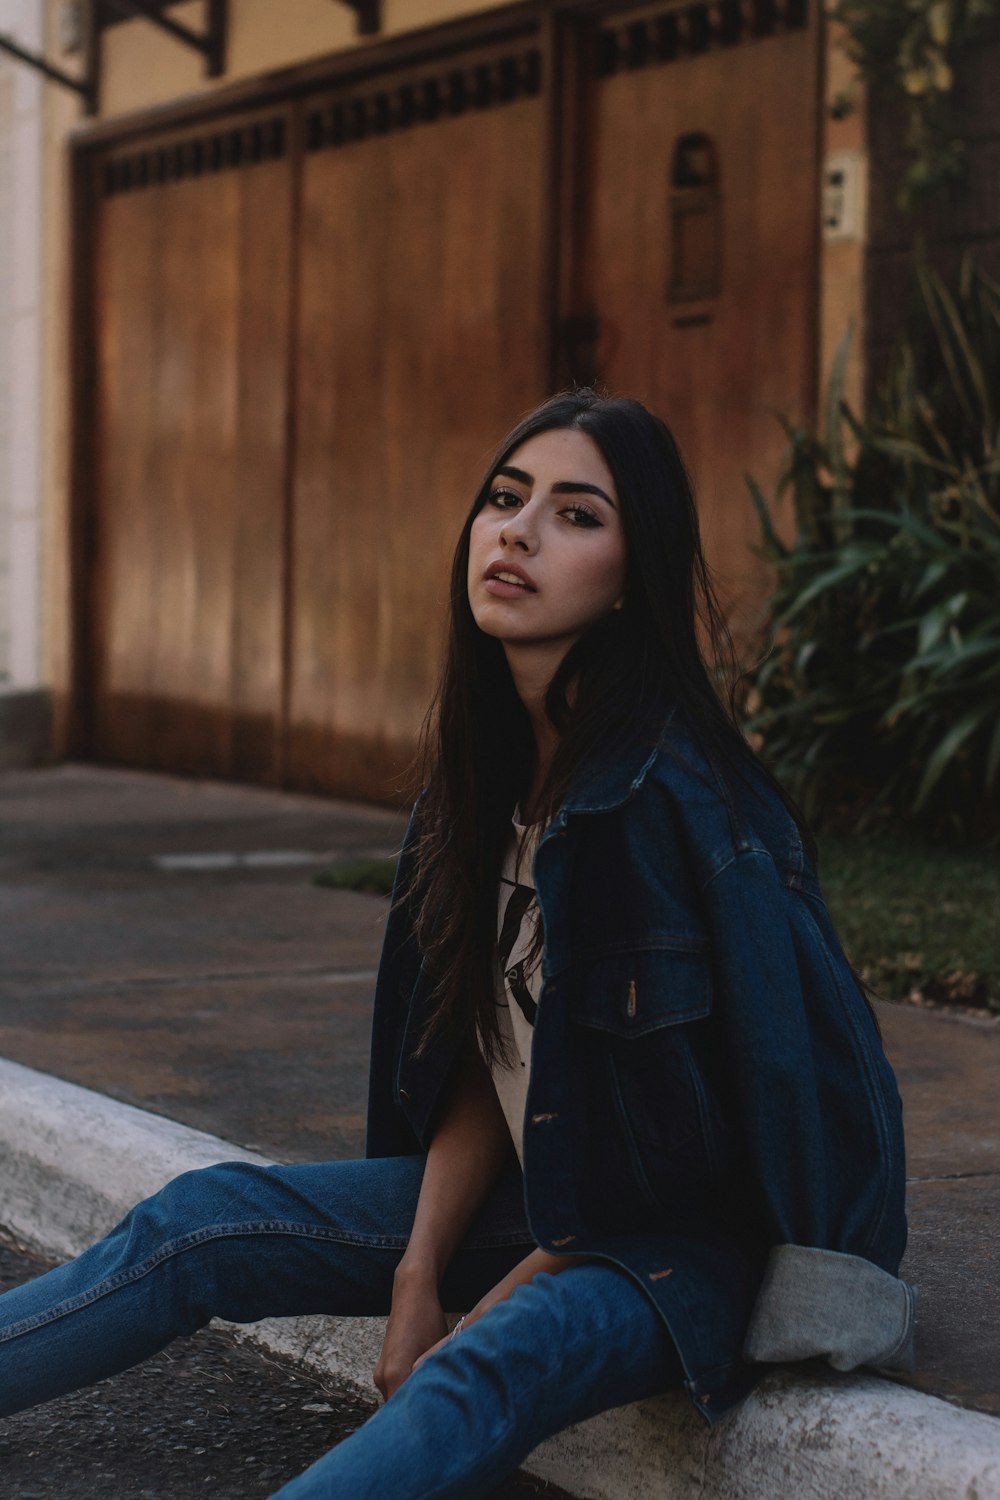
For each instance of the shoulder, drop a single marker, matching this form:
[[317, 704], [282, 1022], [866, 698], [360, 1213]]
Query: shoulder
[[724, 806]]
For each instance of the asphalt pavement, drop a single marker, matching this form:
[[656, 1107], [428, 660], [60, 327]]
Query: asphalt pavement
[[162, 942]]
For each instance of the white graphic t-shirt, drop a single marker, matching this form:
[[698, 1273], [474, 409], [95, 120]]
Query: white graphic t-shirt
[[518, 986]]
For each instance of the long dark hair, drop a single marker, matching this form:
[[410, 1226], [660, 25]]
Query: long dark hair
[[477, 748]]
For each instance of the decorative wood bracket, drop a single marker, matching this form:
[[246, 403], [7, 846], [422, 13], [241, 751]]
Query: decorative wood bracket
[[86, 86], [211, 42], [369, 14]]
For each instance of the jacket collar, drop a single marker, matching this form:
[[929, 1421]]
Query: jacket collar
[[610, 777]]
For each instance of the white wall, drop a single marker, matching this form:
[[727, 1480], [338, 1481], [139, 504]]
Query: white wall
[[20, 349]]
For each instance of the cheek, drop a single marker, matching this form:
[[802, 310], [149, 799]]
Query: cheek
[[605, 576]]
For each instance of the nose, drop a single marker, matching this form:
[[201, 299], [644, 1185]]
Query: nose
[[518, 530]]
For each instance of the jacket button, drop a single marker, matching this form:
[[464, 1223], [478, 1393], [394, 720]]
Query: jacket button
[[404, 1096]]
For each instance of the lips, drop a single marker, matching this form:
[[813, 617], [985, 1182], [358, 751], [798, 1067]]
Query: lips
[[511, 575]]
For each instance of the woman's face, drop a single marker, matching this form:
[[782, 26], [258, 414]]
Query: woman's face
[[547, 549]]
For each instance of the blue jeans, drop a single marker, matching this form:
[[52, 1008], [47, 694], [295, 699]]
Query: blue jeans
[[243, 1242]]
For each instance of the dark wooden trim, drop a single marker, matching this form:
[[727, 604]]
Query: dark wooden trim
[[218, 37], [92, 53], [519, 19], [83, 429], [678, 31], [552, 48], [571, 110], [236, 145], [422, 97], [297, 151]]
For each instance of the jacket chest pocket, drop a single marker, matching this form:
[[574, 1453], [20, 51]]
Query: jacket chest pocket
[[634, 991], [642, 1027]]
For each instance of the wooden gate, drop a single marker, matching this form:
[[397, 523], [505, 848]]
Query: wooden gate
[[191, 266], [422, 335], [696, 284], [313, 320]]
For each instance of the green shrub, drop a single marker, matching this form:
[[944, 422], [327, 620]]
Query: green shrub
[[879, 699]]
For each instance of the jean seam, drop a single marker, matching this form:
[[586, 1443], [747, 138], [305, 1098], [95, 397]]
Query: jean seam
[[197, 1238]]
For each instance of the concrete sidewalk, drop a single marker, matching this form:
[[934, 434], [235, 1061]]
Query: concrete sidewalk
[[162, 944]]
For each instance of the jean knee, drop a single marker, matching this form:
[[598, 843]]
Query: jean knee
[[186, 1205]]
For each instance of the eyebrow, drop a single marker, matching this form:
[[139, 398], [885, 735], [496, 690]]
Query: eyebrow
[[562, 487]]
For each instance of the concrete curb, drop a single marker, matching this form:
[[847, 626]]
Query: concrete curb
[[72, 1162]]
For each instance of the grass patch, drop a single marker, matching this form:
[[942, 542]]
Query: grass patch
[[919, 922], [374, 876]]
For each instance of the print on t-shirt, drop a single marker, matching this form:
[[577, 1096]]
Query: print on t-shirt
[[520, 913], [518, 985]]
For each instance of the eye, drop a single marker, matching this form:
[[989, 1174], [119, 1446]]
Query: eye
[[582, 515], [502, 498]]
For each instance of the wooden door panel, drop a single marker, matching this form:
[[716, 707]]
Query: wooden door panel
[[192, 319], [422, 336], [716, 367]]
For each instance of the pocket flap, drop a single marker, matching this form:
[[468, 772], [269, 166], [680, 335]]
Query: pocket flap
[[638, 990]]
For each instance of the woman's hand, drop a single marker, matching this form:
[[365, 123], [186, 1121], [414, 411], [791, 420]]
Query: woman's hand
[[416, 1323], [468, 1152], [538, 1260]]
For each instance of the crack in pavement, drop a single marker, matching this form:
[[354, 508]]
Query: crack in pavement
[[71, 989]]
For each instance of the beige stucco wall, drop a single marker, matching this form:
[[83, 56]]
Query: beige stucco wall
[[142, 67], [21, 102]]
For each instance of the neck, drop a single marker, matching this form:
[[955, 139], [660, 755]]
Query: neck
[[532, 673]]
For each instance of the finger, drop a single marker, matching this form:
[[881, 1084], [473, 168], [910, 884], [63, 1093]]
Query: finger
[[432, 1350]]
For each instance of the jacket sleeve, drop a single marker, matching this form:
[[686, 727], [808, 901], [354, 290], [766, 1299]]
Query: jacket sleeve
[[816, 1098], [817, 1105]]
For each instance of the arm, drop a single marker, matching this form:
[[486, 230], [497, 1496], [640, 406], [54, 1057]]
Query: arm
[[465, 1157], [463, 1162]]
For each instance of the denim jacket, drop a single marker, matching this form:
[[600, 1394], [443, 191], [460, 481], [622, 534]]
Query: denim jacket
[[709, 1106]]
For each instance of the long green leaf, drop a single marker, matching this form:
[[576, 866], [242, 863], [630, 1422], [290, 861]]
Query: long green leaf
[[827, 581], [906, 448], [773, 545], [993, 757], [921, 529], [947, 748], [948, 325], [936, 621], [833, 424]]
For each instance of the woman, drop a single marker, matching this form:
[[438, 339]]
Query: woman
[[629, 1111]]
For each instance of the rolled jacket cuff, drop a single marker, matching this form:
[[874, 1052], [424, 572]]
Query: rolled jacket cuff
[[823, 1303]]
